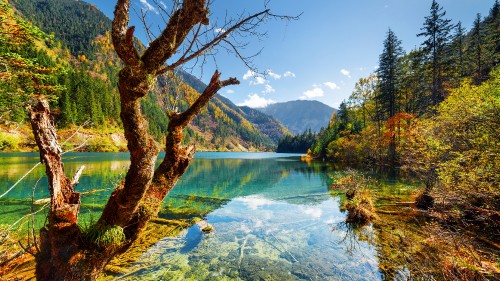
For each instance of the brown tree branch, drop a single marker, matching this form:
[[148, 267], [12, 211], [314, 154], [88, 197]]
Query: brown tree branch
[[193, 12], [177, 157], [213, 87], [143, 149], [212, 43], [122, 36]]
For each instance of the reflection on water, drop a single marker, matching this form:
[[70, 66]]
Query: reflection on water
[[273, 217], [261, 238]]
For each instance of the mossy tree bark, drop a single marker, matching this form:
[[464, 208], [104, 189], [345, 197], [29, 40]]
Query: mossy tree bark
[[66, 253]]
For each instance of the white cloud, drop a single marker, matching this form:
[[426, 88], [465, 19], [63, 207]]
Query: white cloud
[[259, 80], [289, 74], [273, 75], [255, 101], [248, 74], [315, 92], [345, 72], [148, 6], [254, 201], [229, 91], [220, 30], [331, 85], [268, 89], [376, 67], [163, 5], [313, 212]]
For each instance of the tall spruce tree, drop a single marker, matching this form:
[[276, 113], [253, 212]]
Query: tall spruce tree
[[457, 51], [412, 82], [492, 31], [476, 50], [390, 73], [437, 31]]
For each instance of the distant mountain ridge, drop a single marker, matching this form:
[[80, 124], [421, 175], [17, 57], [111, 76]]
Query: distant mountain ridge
[[300, 115]]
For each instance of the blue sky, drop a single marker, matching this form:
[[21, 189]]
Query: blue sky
[[322, 55]]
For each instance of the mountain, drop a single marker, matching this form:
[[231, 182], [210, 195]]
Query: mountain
[[75, 23], [268, 125], [301, 115], [76, 44]]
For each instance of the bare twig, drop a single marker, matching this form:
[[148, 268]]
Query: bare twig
[[19, 180], [213, 42], [33, 216], [30, 214], [86, 123], [77, 175]]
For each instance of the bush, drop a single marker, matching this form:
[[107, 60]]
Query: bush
[[102, 144], [9, 142], [358, 202]]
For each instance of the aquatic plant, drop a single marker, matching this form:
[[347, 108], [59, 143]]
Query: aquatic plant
[[360, 207], [358, 202]]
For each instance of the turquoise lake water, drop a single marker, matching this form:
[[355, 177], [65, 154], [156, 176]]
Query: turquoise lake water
[[273, 215]]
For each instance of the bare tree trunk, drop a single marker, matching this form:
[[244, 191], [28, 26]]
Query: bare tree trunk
[[58, 243], [66, 253]]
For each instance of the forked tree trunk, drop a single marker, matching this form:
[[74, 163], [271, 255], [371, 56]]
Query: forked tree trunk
[[66, 252]]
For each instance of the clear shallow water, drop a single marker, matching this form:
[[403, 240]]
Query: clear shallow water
[[273, 217]]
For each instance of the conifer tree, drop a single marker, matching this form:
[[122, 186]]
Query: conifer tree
[[457, 51], [436, 29], [476, 49], [492, 35], [389, 73]]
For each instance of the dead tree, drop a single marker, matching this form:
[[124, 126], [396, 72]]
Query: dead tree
[[66, 252]]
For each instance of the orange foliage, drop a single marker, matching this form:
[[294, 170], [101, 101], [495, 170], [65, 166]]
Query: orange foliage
[[397, 124]]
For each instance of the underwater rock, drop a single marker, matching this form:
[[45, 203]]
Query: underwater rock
[[205, 226], [207, 229]]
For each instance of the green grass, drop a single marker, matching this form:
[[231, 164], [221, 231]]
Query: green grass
[[103, 236]]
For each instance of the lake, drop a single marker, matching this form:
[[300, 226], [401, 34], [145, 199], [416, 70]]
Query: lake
[[274, 216]]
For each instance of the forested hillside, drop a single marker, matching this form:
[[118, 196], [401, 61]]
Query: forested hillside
[[76, 23], [74, 43], [431, 113]]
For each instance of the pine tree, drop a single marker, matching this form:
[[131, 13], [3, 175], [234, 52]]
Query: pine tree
[[492, 31], [436, 29], [476, 50], [343, 115], [457, 51], [390, 74]]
